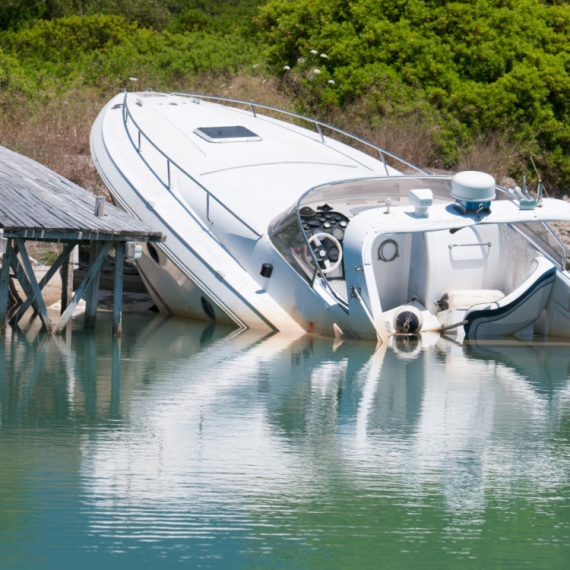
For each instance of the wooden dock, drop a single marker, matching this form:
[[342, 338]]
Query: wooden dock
[[36, 204]]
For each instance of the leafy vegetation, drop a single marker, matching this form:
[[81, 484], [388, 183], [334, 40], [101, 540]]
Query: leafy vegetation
[[481, 84], [474, 68]]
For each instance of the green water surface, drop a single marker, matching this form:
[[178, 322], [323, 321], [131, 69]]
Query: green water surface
[[185, 445]]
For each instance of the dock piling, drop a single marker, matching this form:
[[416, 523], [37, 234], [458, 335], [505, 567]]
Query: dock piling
[[4, 286], [118, 293]]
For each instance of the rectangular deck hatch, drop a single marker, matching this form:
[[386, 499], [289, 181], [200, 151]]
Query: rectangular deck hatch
[[226, 134]]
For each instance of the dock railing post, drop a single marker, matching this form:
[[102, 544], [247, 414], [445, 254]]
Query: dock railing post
[[118, 294]]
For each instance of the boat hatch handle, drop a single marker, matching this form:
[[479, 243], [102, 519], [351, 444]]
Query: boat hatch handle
[[452, 245]]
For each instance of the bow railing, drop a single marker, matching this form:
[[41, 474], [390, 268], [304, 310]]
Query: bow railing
[[318, 124], [166, 181]]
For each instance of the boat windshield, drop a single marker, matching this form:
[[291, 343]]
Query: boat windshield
[[544, 239], [288, 237], [359, 195]]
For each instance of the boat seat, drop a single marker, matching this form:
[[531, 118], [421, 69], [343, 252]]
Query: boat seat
[[464, 299], [516, 310]]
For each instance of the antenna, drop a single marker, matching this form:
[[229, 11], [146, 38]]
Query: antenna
[[540, 188]]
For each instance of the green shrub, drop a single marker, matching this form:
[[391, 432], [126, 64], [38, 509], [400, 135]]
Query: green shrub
[[473, 67], [65, 39]]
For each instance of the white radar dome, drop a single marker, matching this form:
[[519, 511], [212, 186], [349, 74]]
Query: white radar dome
[[473, 187]]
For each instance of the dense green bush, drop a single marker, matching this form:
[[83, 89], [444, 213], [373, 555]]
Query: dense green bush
[[65, 39], [12, 77], [474, 67], [95, 49], [156, 14]]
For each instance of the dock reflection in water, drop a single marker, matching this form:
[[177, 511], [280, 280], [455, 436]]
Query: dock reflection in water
[[187, 442]]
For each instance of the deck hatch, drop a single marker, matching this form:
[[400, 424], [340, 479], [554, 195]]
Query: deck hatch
[[226, 134]]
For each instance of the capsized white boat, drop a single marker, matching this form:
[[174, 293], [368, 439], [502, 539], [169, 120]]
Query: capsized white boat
[[274, 226]]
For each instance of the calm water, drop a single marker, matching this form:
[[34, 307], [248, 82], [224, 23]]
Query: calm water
[[188, 446]]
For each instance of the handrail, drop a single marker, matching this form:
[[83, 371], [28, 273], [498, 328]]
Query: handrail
[[128, 115], [383, 152]]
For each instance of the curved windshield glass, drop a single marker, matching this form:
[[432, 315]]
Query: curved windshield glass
[[287, 236]]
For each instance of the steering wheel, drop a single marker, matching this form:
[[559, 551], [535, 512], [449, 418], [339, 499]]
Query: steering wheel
[[321, 252]]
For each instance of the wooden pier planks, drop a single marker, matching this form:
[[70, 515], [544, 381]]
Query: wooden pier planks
[[35, 202], [38, 204]]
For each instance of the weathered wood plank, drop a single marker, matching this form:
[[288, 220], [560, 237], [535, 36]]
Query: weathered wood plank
[[92, 295], [21, 276], [67, 279], [35, 199]]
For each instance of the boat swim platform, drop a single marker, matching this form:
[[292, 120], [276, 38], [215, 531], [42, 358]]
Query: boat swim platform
[[36, 204]]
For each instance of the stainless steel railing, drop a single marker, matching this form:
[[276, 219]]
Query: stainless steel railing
[[127, 115], [319, 125]]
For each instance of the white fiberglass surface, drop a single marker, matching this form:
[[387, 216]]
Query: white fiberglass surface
[[264, 175]]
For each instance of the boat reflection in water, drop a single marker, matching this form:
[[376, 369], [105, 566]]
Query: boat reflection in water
[[224, 437]]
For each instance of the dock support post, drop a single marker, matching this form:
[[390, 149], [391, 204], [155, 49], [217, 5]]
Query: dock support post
[[67, 280], [93, 269], [46, 279], [118, 294], [4, 286], [92, 297]]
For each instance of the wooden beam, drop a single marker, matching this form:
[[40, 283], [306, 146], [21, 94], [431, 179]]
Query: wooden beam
[[34, 284], [93, 269], [92, 296], [45, 280], [118, 293], [5, 286], [67, 278], [22, 277]]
